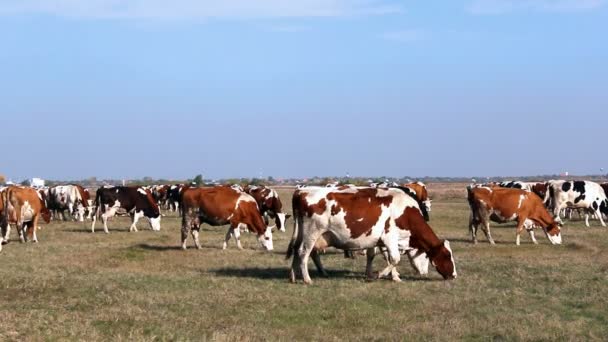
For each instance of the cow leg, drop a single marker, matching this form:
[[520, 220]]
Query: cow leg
[[316, 258], [307, 246], [33, 229], [369, 271], [94, 220], [473, 225], [104, 218], [21, 230], [195, 233], [7, 234], [71, 211], [599, 215], [186, 224], [518, 230], [134, 218], [392, 247], [587, 219], [531, 232], [419, 261], [228, 235], [485, 226]]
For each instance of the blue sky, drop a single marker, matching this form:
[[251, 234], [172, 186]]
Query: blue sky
[[239, 88]]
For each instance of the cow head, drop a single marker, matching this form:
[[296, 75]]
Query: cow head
[[79, 212], [419, 261], [443, 259], [152, 212], [155, 223], [46, 214], [266, 239], [554, 233], [427, 205], [280, 219]]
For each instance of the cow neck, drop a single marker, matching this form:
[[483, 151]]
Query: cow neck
[[423, 236]]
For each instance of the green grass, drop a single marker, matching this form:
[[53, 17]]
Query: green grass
[[76, 285]]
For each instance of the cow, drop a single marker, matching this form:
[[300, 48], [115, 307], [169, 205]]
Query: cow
[[174, 195], [160, 192], [22, 206], [222, 205], [85, 200], [577, 194], [66, 197], [269, 204], [422, 194], [362, 218], [136, 201], [508, 204]]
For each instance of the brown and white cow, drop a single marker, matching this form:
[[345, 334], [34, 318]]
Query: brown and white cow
[[22, 206], [269, 203], [422, 195], [136, 201], [508, 204], [85, 200], [362, 218], [222, 205]]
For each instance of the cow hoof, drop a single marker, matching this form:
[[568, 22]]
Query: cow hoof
[[397, 280], [5, 242], [492, 242]]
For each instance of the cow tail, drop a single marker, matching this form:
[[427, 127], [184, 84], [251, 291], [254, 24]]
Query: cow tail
[[472, 203], [293, 246], [97, 204]]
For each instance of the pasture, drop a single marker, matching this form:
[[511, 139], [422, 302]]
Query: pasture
[[141, 286]]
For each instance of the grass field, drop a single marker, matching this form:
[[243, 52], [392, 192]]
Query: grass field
[[140, 286]]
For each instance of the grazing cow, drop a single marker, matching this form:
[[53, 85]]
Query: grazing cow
[[362, 218], [66, 197], [422, 195], [218, 206], [134, 200], [577, 194], [22, 206], [507, 204], [85, 200], [270, 204]]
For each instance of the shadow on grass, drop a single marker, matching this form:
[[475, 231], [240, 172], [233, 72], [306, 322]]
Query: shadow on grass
[[275, 273], [97, 230], [283, 272], [481, 241], [150, 247]]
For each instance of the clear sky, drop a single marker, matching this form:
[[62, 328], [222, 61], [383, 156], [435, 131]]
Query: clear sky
[[239, 88]]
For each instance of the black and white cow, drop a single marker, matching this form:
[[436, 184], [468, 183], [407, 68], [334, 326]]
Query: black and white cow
[[577, 194], [173, 196], [137, 201]]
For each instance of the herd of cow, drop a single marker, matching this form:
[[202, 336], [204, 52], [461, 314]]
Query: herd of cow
[[388, 218]]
